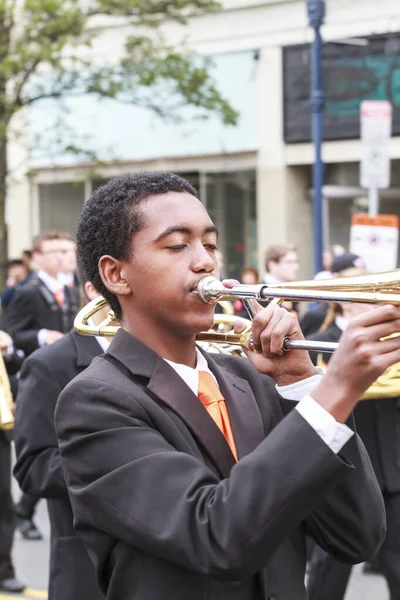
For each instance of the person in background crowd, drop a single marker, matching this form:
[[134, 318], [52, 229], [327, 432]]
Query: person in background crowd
[[250, 276], [281, 263], [28, 260], [43, 309], [17, 274], [377, 419], [38, 468], [313, 319], [282, 266], [328, 258], [67, 274], [8, 581]]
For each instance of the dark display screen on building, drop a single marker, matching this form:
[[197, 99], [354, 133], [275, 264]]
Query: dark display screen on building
[[352, 74]]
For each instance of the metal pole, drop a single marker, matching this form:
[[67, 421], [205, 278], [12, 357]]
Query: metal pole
[[316, 14], [373, 202]]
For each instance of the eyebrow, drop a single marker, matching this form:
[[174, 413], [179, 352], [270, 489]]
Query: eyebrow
[[182, 229]]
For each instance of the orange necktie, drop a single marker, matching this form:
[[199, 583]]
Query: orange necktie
[[59, 296], [214, 403]]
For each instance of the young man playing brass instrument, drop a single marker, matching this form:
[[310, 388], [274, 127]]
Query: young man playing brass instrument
[[193, 476]]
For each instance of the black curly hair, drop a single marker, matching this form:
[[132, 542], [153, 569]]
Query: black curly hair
[[111, 217]]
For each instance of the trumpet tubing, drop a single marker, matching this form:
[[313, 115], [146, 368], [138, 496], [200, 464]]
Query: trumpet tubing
[[381, 288]]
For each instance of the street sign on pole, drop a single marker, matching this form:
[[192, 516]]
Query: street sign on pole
[[376, 240], [376, 131]]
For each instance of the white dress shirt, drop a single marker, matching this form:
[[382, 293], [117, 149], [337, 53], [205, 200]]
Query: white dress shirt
[[101, 340], [53, 285], [334, 434]]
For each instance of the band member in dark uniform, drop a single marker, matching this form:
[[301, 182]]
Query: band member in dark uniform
[[43, 309], [38, 468], [377, 419], [10, 363], [192, 476]]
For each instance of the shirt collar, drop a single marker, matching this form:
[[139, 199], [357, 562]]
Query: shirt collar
[[189, 375], [66, 278], [53, 284], [102, 341]]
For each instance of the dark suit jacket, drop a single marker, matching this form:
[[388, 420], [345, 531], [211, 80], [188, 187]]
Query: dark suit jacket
[[34, 308], [167, 514], [38, 468], [377, 423], [313, 319]]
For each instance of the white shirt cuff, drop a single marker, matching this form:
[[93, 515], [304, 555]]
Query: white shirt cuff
[[297, 391], [42, 337], [334, 434]]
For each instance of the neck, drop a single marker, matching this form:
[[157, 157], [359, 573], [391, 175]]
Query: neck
[[173, 346]]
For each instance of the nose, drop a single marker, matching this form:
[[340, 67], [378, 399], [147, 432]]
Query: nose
[[203, 260]]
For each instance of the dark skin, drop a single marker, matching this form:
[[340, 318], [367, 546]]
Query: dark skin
[[156, 289]]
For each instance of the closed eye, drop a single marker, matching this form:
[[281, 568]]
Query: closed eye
[[176, 248], [211, 246]]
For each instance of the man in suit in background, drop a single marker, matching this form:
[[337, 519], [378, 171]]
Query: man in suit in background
[[38, 468], [42, 311], [189, 475], [8, 581]]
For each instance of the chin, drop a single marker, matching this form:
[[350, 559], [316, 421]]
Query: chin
[[202, 323]]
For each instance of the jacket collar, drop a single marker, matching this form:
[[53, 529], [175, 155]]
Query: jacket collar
[[87, 348], [170, 388]]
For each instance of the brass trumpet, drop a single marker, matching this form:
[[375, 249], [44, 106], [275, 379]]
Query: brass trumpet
[[380, 288]]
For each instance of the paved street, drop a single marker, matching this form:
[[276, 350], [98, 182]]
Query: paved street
[[31, 561]]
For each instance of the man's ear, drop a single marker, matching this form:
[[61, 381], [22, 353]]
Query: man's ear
[[112, 273]]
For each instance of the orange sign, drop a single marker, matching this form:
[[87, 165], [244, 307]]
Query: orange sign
[[375, 239], [378, 221]]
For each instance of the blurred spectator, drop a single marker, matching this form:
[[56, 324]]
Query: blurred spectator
[[17, 274], [281, 264], [27, 259], [43, 309], [250, 276], [314, 318], [67, 275]]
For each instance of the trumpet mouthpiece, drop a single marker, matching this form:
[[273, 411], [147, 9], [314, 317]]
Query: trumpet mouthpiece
[[210, 289]]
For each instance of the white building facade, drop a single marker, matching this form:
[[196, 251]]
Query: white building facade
[[255, 178]]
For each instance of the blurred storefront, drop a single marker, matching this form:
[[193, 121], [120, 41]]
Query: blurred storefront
[[255, 179]]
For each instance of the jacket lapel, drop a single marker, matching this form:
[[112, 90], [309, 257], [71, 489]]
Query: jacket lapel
[[169, 387], [246, 421]]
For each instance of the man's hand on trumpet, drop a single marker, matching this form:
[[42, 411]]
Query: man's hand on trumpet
[[363, 355], [270, 327], [366, 350]]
